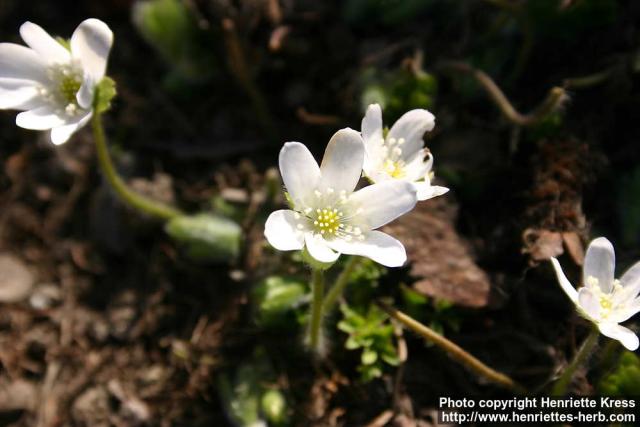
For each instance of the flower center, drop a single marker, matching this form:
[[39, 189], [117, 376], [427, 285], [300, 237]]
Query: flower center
[[69, 87], [66, 80], [329, 215], [395, 169], [393, 165], [604, 299], [328, 221]]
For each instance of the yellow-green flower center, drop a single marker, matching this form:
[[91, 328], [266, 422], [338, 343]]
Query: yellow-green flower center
[[327, 222], [69, 87], [395, 169]]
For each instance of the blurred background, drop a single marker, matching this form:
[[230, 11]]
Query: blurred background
[[107, 318]]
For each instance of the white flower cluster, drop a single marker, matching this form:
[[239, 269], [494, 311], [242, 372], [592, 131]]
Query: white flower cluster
[[54, 84], [328, 216]]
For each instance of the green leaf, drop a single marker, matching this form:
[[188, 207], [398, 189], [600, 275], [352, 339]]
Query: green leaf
[[275, 297], [369, 357], [206, 237], [352, 343]]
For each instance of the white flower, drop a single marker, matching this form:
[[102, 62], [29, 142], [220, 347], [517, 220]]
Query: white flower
[[328, 217], [53, 85], [604, 300], [401, 155]]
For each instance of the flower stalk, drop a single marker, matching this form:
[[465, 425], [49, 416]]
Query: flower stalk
[[341, 283], [315, 325], [144, 204], [455, 351], [560, 387]]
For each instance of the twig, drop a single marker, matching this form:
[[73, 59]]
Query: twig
[[587, 81], [455, 351], [554, 100]]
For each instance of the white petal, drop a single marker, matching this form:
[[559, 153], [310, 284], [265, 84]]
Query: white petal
[[384, 202], [418, 167], [86, 92], [631, 278], [589, 302], [90, 44], [372, 126], [41, 118], [20, 62], [620, 315], [412, 126], [18, 94], [61, 134], [566, 286], [427, 191], [299, 170], [319, 249], [377, 246], [44, 45], [626, 336], [342, 162], [600, 262], [281, 231]]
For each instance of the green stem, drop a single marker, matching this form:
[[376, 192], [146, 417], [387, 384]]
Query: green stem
[[341, 283], [455, 351], [135, 200], [317, 287], [560, 387]]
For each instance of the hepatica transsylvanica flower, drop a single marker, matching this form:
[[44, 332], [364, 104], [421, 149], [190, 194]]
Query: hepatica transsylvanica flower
[[53, 84], [401, 154], [604, 300], [327, 216]]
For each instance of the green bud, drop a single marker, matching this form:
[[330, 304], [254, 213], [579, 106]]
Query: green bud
[[206, 237]]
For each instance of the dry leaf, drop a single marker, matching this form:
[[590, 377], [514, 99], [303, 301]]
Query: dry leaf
[[440, 259]]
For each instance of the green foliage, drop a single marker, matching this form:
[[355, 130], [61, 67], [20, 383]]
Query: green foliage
[[385, 12], [206, 237], [373, 333], [105, 92], [276, 298], [363, 281], [399, 91], [248, 397], [625, 379], [170, 28]]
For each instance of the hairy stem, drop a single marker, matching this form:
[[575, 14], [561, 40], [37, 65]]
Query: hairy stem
[[455, 351], [341, 283], [315, 325], [144, 204], [560, 387]]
